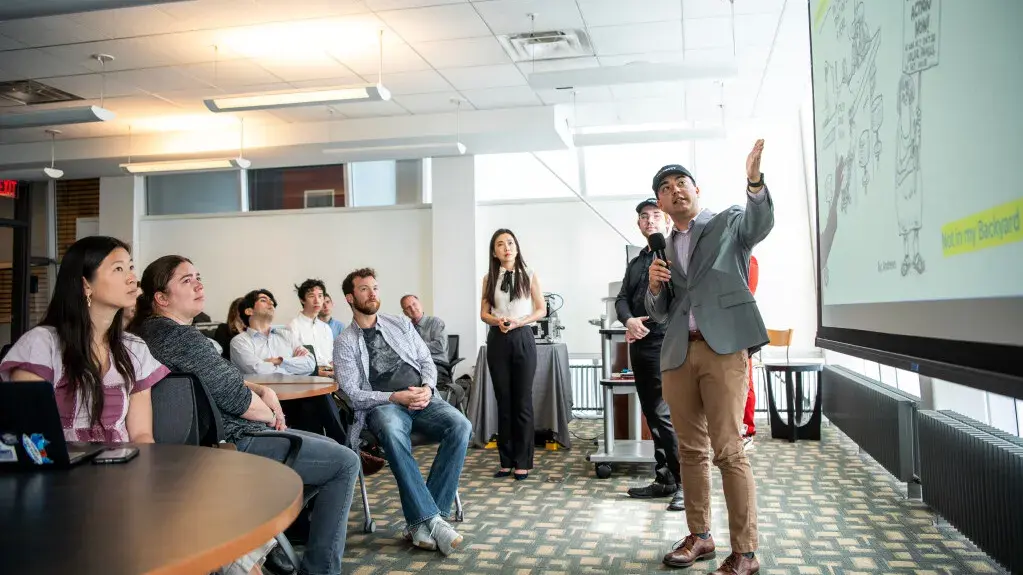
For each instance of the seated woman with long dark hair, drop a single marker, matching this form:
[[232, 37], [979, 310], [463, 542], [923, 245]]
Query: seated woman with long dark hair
[[100, 374], [172, 295]]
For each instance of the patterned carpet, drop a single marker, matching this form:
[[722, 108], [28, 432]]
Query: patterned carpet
[[824, 509]]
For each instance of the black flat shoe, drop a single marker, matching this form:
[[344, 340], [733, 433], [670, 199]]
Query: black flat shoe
[[521, 476], [501, 474]]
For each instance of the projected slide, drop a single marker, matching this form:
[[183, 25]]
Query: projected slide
[[919, 131]]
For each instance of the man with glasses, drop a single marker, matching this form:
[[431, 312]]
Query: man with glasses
[[645, 337]]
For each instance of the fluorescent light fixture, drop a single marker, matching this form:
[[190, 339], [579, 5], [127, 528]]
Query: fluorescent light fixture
[[642, 134], [55, 117], [32, 174], [638, 73], [198, 165], [293, 98], [398, 151]]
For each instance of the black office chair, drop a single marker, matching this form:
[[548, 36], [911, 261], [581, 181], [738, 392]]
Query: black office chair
[[347, 417], [3, 350], [193, 419], [453, 358]]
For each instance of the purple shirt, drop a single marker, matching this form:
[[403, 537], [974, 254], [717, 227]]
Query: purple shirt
[[39, 352], [681, 239]]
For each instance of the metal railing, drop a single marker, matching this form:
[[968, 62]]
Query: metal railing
[[587, 397]]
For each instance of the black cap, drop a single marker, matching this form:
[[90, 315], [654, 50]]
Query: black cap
[[647, 202], [670, 170]]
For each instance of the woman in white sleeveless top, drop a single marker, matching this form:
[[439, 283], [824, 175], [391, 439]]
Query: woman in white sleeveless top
[[512, 301]]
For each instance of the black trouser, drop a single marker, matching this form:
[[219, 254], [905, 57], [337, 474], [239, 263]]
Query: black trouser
[[511, 358], [646, 364]]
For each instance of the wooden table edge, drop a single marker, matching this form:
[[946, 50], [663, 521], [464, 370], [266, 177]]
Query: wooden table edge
[[285, 395], [215, 558]]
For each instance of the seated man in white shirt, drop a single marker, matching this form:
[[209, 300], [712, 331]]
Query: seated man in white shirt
[[308, 329], [263, 349]]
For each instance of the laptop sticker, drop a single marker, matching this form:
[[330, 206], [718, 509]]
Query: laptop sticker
[[8, 454], [35, 446]]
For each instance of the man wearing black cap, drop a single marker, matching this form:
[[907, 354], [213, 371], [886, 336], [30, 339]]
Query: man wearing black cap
[[645, 338], [712, 326]]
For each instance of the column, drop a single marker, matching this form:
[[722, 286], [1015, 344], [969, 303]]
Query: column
[[456, 279]]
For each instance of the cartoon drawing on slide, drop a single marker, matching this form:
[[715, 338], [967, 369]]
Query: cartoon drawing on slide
[[908, 193]]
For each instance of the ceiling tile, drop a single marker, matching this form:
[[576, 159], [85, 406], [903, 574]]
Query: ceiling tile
[[214, 14], [129, 54], [708, 33], [421, 82], [91, 86], [577, 96], [370, 109], [276, 10], [48, 31], [636, 38], [24, 64], [512, 16], [193, 47], [127, 22], [431, 103], [713, 8], [399, 4], [230, 74], [478, 77], [464, 52], [7, 43], [156, 80], [398, 57], [610, 12], [502, 97], [323, 68], [305, 114], [436, 23]]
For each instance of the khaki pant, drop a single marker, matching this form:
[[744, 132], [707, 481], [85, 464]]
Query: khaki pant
[[707, 395]]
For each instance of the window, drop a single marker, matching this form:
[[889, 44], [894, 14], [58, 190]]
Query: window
[[525, 176], [297, 188], [194, 193], [319, 198], [627, 169]]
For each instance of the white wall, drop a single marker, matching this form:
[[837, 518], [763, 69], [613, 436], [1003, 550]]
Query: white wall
[[275, 250]]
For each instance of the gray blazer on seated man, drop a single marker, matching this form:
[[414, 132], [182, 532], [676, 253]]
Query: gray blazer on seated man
[[712, 325]]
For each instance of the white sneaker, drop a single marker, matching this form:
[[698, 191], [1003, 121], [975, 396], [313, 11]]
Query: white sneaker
[[748, 444], [444, 535], [422, 538]]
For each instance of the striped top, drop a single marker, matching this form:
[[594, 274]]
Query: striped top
[[39, 352]]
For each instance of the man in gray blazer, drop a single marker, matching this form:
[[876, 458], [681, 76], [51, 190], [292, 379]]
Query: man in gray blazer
[[712, 326]]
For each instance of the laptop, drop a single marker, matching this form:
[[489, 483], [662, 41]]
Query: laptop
[[31, 434]]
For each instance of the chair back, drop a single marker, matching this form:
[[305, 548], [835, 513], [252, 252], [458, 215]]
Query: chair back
[[210, 422], [452, 348], [175, 418], [780, 338], [3, 350]]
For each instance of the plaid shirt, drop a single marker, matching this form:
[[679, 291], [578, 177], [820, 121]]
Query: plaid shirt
[[351, 365]]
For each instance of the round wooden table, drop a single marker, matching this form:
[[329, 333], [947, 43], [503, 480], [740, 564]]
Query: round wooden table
[[288, 391], [173, 510], [283, 378]]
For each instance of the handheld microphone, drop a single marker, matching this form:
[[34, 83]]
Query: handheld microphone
[[657, 245]]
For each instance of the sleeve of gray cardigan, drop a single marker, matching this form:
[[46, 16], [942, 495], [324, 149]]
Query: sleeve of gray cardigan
[[187, 349]]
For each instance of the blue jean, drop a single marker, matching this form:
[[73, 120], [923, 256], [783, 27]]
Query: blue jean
[[393, 426], [333, 468]]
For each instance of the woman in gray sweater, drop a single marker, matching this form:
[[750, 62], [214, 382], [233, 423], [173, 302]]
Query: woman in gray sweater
[[172, 295]]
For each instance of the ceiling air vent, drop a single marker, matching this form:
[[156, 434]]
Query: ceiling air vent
[[29, 92], [551, 45]]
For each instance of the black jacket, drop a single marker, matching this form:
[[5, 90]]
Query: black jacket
[[631, 298]]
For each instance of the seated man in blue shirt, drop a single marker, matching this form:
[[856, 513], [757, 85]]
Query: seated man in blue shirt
[[263, 349], [336, 327], [384, 367]]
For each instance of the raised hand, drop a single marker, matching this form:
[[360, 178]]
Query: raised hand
[[753, 161]]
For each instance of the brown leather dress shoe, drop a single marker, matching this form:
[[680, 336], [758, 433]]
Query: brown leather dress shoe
[[689, 551], [370, 463], [738, 564]]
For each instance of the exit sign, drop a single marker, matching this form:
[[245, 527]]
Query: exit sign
[[8, 188]]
